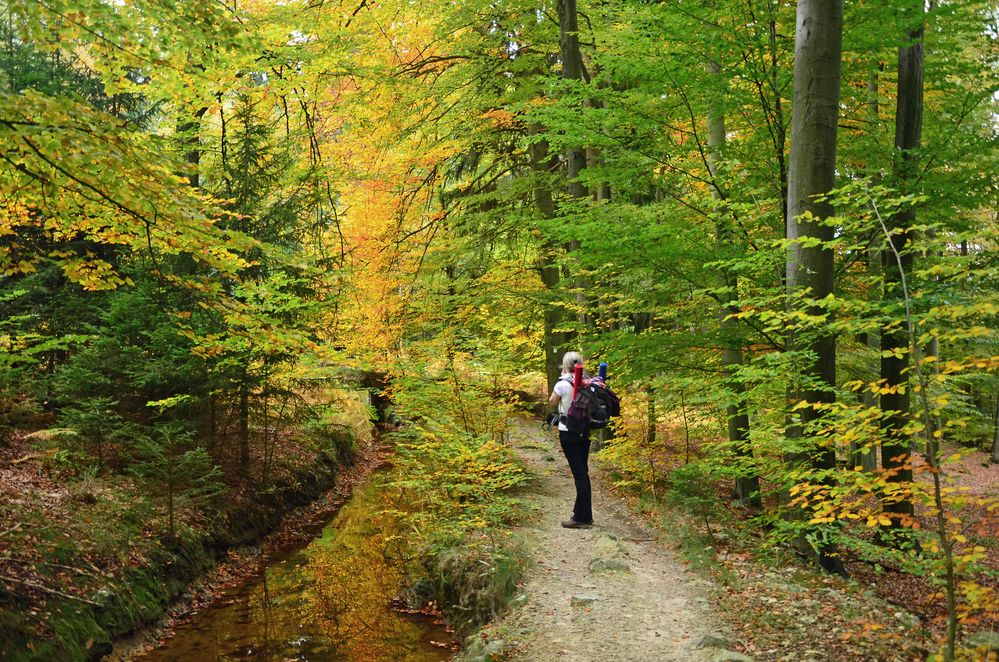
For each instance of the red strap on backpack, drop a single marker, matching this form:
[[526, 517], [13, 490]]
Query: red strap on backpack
[[577, 379]]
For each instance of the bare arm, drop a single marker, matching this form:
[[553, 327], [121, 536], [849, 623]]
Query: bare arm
[[554, 399]]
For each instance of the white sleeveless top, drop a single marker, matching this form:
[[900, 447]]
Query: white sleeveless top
[[563, 388]]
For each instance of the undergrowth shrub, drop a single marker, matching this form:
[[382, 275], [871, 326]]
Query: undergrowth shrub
[[98, 432], [694, 488]]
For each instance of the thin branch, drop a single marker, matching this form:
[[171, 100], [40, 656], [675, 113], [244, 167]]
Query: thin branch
[[12, 529], [46, 589], [79, 571]]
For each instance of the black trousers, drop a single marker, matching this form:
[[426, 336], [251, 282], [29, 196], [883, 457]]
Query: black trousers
[[577, 451]]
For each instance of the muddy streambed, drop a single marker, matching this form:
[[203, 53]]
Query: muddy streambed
[[325, 602]]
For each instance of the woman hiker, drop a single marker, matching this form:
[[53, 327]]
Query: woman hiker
[[575, 445]]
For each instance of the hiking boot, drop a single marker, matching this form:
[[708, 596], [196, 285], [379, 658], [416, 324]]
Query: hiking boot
[[573, 524]]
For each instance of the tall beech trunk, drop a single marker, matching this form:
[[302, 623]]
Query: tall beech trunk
[[812, 173], [575, 157], [572, 69], [859, 457], [868, 459], [554, 341], [747, 488], [896, 444]]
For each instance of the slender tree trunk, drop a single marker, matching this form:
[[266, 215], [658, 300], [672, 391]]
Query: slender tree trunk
[[244, 427], [170, 494], [686, 427], [191, 139], [572, 70], [650, 412], [575, 156], [554, 341], [812, 173], [868, 459], [747, 487], [780, 134], [874, 93], [594, 159], [895, 405], [212, 420]]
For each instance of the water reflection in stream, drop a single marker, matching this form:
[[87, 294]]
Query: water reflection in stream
[[325, 602]]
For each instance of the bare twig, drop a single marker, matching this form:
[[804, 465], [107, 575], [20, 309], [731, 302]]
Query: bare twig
[[79, 571], [12, 529]]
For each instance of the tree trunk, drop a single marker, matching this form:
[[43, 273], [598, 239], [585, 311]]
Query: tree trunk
[[895, 444], [780, 134], [189, 135], [812, 173], [244, 427], [170, 495], [575, 157], [572, 69], [868, 459], [554, 341], [995, 433], [747, 487]]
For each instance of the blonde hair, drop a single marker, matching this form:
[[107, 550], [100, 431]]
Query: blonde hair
[[570, 360]]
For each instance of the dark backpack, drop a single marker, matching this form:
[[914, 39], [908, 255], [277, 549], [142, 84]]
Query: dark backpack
[[594, 406]]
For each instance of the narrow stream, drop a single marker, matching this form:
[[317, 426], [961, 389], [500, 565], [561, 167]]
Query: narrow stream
[[327, 601]]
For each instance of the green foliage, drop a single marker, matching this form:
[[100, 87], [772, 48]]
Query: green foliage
[[203, 218], [333, 429], [460, 478]]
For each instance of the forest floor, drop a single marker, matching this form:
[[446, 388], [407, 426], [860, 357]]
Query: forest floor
[[651, 586]]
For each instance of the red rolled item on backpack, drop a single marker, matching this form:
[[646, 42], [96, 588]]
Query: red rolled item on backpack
[[577, 379]]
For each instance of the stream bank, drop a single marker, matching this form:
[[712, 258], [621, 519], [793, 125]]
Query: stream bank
[[240, 568]]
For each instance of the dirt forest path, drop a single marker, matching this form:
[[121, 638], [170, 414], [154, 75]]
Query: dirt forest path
[[610, 593]]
